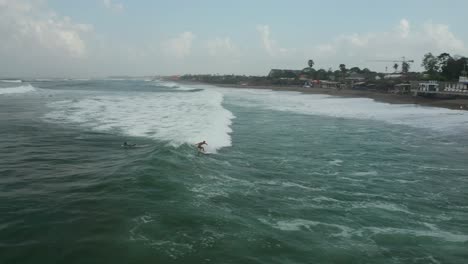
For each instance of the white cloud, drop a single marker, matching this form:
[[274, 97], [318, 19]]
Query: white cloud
[[118, 7], [269, 44], [27, 28], [443, 38], [222, 47], [403, 40], [404, 28], [180, 46], [356, 39]]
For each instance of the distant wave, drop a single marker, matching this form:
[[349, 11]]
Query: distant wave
[[440, 119], [11, 81], [16, 90], [177, 86]]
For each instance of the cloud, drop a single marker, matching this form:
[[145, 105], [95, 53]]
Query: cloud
[[443, 38], [117, 7], [222, 47], [403, 40], [180, 46], [404, 28], [27, 28], [269, 44]]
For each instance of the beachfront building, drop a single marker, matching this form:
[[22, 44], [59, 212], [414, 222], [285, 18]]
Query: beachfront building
[[401, 88], [330, 84], [460, 87], [430, 86], [393, 76], [354, 78]]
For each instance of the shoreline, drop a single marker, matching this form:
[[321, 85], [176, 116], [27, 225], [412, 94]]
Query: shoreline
[[453, 104]]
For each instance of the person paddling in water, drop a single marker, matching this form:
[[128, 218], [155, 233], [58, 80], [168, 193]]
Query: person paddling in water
[[200, 146], [126, 145]]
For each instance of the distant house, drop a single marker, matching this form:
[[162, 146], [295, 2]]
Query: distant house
[[304, 77], [355, 77], [329, 85], [280, 73], [359, 86], [401, 88], [393, 76], [460, 86], [430, 86]]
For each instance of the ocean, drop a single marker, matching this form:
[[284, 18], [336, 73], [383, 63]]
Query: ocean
[[291, 178]]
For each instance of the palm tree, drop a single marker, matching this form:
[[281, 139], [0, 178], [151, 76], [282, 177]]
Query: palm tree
[[310, 63], [343, 71], [405, 67], [342, 68], [395, 66]]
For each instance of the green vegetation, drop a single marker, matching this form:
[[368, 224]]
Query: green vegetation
[[444, 67]]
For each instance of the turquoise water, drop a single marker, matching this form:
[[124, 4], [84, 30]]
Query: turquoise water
[[293, 178]]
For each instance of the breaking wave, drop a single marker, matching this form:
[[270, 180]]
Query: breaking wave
[[11, 81], [177, 118], [18, 89], [353, 108]]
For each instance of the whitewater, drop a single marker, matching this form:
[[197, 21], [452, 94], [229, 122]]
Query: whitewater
[[293, 178]]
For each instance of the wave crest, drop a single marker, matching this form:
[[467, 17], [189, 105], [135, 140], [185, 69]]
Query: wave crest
[[18, 89], [182, 118]]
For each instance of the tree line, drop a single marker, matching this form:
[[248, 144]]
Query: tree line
[[444, 67]]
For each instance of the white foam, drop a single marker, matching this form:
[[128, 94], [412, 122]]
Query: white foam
[[298, 224], [177, 118], [335, 162], [325, 199], [432, 232], [168, 84], [297, 185], [345, 231], [11, 81], [16, 90], [365, 173], [175, 86], [355, 108], [382, 205]]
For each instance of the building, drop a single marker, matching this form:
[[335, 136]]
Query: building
[[430, 86], [355, 77], [461, 86], [393, 76], [401, 88], [329, 85]]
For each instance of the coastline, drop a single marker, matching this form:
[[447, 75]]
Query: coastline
[[454, 104]]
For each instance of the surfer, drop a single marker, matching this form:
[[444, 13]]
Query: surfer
[[200, 146], [126, 145]]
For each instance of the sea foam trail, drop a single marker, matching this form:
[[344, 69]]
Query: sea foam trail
[[178, 118], [19, 89], [356, 108], [11, 81]]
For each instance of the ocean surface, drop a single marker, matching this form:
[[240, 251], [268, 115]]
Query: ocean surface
[[291, 178]]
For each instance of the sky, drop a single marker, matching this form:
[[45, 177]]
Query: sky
[[98, 38]]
